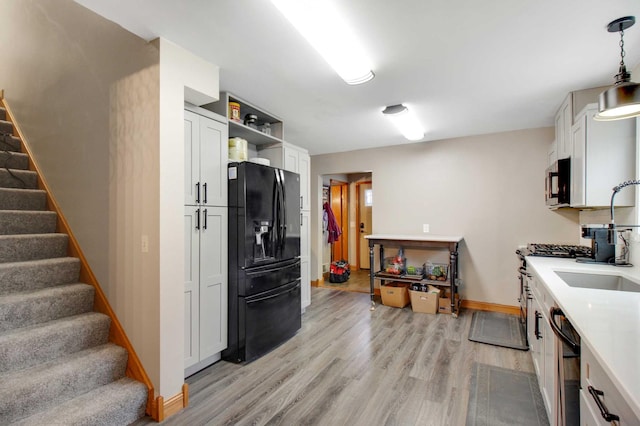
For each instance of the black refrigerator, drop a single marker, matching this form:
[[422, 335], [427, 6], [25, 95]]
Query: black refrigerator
[[264, 259]]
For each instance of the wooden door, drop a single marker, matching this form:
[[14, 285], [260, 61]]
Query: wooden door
[[364, 209], [340, 208]]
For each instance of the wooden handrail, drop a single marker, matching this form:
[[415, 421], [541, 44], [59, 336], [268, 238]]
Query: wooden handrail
[[117, 335]]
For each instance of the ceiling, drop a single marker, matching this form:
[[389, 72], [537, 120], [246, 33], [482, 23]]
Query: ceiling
[[464, 67]]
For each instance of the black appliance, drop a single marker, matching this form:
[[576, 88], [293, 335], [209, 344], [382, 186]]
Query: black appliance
[[601, 250], [264, 259], [545, 250], [568, 367], [557, 183]]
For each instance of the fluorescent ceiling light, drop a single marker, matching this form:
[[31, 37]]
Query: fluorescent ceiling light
[[405, 121], [320, 23]]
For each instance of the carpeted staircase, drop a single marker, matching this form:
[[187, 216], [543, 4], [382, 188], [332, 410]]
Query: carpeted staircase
[[57, 366]]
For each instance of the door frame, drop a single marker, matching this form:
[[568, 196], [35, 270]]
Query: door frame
[[344, 216], [357, 197]]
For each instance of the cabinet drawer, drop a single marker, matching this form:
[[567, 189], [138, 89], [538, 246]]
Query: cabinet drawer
[[593, 375]]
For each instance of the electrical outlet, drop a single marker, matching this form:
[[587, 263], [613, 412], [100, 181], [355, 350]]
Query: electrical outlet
[[425, 227], [145, 244]]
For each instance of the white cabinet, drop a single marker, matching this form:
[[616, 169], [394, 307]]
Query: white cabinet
[[595, 383], [205, 233], [564, 121], [603, 157], [205, 156], [295, 159], [205, 229], [542, 343]]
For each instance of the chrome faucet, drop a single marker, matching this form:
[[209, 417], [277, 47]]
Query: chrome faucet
[[612, 234]]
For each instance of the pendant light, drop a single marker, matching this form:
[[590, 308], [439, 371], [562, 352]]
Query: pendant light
[[622, 100]]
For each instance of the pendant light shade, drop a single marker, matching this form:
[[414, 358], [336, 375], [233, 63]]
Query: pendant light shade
[[623, 99]]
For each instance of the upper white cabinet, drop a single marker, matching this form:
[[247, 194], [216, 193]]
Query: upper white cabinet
[[564, 121], [603, 156], [205, 156], [294, 159]]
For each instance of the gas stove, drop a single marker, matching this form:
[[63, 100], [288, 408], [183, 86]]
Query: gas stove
[[555, 250]]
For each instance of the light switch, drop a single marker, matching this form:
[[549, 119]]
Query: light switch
[[425, 227]]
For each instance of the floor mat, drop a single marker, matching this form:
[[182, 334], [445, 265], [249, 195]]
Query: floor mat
[[498, 396], [494, 328]]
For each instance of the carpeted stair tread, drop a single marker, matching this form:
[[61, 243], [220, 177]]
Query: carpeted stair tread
[[17, 248], [10, 143], [119, 403], [25, 179], [22, 199], [27, 222], [26, 392], [14, 160], [37, 274], [25, 347], [40, 306], [6, 127]]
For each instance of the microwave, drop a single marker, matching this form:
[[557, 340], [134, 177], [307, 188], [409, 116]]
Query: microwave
[[557, 183]]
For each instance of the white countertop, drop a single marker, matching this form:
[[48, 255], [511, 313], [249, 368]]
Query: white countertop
[[608, 321], [425, 237]]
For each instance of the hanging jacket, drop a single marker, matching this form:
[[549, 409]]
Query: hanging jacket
[[332, 225]]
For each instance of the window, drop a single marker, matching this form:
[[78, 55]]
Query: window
[[368, 197]]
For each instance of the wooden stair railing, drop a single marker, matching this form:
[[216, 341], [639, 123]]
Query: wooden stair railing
[[117, 335]]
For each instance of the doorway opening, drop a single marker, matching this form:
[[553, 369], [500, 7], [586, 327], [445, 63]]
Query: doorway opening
[[350, 198]]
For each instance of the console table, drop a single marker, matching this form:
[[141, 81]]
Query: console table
[[449, 243]]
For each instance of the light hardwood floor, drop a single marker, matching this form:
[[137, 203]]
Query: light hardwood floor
[[350, 366], [358, 282]]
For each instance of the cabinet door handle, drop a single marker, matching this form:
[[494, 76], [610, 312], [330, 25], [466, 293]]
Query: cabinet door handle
[[198, 192], [204, 217], [204, 187], [301, 201], [300, 219], [596, 394], [197, 218], [537, 326]]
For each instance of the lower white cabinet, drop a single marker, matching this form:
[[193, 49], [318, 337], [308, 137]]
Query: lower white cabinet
[[542, 344], [205, 288], [593, 376]]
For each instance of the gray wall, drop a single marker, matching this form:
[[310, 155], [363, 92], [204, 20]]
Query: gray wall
[[488, 189]]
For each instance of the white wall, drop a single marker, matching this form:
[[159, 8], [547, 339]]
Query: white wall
[[488, 188]]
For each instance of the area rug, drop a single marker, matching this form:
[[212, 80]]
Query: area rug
[[494, 328], [498, 396]]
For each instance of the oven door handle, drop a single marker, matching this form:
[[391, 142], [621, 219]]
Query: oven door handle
[[553, 313]]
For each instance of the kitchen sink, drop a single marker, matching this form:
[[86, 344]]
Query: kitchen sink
[[597, 281]]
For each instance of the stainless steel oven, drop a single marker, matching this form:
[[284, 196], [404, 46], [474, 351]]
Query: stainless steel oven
[[567, 394]]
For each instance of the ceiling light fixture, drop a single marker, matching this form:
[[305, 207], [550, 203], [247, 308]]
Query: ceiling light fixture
[[405, 121], [622, 100], [321, 24]]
